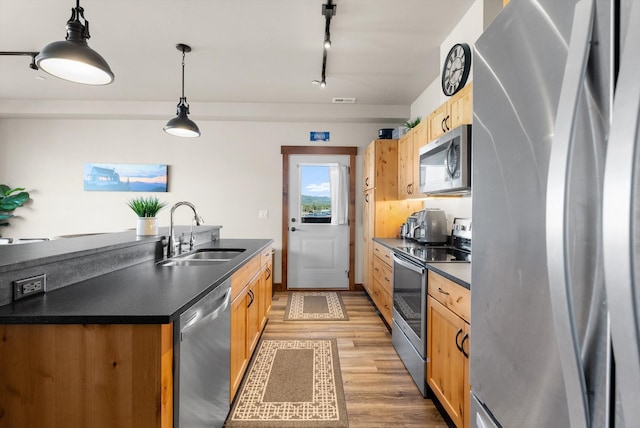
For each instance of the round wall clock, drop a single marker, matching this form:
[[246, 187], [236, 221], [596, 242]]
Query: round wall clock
[[455, 71]]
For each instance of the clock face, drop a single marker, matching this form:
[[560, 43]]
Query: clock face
[[456, 68]]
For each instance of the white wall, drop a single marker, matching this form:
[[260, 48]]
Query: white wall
[[468, 29], [230, 173]]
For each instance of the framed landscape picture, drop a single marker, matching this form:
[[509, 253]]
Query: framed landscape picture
[[104, 177]]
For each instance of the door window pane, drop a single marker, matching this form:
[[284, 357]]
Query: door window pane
[[315, 194]]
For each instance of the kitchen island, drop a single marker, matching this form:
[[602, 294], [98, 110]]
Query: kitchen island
[[100, 352]]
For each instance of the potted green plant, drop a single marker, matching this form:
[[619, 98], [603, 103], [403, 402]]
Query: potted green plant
[[412, 123], [146, 209], [10, 199]]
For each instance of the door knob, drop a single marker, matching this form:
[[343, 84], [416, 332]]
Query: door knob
[[293, 229]]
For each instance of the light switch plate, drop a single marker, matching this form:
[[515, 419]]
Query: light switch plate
[[263, 214]]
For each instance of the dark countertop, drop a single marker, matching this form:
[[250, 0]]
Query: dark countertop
[[141, 294], [458, 272]]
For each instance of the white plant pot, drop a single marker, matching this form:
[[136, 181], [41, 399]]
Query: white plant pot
[[147, 226]]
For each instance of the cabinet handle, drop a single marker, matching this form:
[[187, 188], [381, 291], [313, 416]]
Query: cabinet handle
[[366, 181], [457, 344], [268, 273], [445, 122], [252, 298], [464, 339], [408, 189], [440, 290], [366, 197]]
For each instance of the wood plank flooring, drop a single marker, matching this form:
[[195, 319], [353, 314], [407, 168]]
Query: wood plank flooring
[[378, 389]]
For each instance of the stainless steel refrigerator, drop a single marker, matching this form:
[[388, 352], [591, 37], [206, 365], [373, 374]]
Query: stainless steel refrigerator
[[554, 297]]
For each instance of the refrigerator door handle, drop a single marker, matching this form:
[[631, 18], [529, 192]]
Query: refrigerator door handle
[[557, 240], [619, 228]]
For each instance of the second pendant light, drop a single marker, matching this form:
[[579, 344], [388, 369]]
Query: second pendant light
[[181, 125]]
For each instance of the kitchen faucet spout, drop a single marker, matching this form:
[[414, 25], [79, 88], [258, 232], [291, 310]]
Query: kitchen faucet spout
[[171, 246]]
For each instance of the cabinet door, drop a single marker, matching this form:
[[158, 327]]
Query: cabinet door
[[253, 313], [439, 121], [405, 166], [461, 107], [367, 237], [239, 347], [266, 286], [446, 363], [369, 169]]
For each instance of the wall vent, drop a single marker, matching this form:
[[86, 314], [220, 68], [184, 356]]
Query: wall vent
[[344, 100]]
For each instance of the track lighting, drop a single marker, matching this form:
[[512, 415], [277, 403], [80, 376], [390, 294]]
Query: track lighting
[[72, 59], [181, 125], [328, 11]]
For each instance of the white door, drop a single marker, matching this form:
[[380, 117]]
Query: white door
[[318, 250]]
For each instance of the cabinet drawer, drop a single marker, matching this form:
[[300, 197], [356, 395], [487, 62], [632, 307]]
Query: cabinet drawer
[[243, 275], [383, 273], [265, 256], [453, 296], [382, 300], [383, 252]]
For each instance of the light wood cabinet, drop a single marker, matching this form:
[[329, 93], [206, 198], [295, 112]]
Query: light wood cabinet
[[408, 161], [458, 110], [266, 286], [72, 375], [461, 107], [251, 289], [369, 167], [383, 213], [383, 280], [448, 308]]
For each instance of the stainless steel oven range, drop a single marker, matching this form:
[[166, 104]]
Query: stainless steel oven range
[[409, 327]]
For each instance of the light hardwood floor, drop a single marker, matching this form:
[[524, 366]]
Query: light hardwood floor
[[378, 390]]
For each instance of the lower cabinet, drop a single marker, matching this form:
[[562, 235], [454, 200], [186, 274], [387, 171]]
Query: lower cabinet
[[448, 345], [382, 281], [251, 289], [86, 375]]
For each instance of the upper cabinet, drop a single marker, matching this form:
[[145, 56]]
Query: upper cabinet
[[408, 160], [458, 110]]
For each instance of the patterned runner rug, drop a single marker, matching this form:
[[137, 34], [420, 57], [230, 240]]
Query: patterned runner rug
[[315, 306], [292, 383]]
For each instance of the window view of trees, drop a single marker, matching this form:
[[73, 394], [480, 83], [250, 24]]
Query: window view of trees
[[315, 204]]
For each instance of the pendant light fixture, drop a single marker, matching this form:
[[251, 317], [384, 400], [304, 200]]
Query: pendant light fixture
[[181, 125], [72, 59]]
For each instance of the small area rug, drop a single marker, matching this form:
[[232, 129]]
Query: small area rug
[[315, 306], [292, 383]]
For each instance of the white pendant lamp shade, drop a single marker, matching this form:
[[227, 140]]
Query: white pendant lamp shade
[[75, 61], [72, 59], [181, 125]]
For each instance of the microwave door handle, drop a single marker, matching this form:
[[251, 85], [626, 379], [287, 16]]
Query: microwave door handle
[[619, 222], [446, 160], [557, 236]]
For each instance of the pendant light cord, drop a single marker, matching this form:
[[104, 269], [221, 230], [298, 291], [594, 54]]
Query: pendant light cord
[[182, 72]]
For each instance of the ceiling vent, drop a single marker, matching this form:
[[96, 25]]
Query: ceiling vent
[[344, 100]]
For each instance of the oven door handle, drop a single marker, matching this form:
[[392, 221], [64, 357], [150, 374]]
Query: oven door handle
[[409, 265]]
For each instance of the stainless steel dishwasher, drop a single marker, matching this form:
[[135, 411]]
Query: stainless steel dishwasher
[[202, 344]]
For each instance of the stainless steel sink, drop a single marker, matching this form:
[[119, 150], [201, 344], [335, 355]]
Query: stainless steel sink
[[213, 254], [203, 257]]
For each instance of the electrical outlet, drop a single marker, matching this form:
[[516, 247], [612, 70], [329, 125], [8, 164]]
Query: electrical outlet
[[29, 286]]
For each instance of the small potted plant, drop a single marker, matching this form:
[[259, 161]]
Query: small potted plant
[[146, 209]]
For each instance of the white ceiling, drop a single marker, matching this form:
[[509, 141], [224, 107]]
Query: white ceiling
[[385, 52]]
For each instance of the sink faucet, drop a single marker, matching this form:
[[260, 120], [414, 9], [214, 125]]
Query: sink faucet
[[171, 246]]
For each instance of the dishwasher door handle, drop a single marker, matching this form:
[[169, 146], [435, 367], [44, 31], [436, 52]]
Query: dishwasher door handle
[[198, 319]]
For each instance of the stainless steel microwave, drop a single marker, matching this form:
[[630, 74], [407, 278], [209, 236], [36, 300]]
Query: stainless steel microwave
[[445, 163]]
